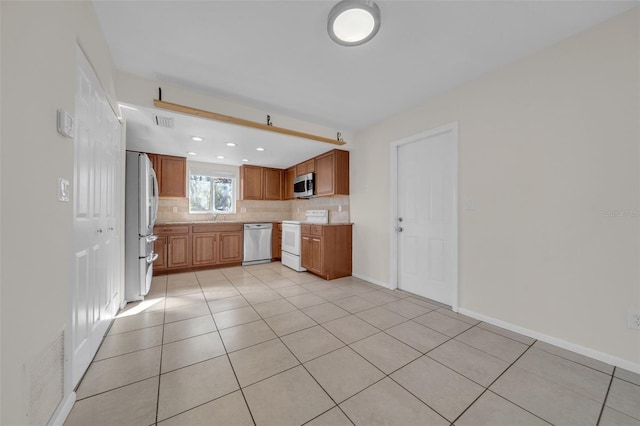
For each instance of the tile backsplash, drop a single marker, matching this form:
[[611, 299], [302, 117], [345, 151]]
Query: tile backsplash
[[177, 210]]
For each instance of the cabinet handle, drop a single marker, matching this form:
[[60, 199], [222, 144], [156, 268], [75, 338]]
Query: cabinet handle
[[99, 231]]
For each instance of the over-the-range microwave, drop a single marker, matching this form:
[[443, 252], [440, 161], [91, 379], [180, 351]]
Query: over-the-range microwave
[[303, 186]]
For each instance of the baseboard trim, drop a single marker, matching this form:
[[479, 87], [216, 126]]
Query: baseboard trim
[[372, 281], [582, 350], [63, 410]]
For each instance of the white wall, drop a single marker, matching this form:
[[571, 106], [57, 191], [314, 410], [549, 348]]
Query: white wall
[[38, 77], [547, 146]]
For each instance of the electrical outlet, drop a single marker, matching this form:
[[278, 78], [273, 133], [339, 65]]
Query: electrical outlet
[[633, 319]]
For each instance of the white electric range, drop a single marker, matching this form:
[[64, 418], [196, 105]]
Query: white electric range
[[292, 237]]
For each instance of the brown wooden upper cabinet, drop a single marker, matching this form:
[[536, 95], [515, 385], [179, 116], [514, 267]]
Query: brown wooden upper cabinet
[[332, 173], [171, 173], [265, 183], [289, 177], [260, 183], [306, 167], [251, 186], [272, 181]]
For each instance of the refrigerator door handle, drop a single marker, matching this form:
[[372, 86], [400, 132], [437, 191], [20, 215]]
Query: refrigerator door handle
[[151, 238], [152, 257]]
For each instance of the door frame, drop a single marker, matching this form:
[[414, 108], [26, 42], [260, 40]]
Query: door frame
[[393, 204]]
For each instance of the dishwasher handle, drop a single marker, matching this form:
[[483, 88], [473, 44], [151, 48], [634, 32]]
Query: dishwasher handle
[[250, 226]]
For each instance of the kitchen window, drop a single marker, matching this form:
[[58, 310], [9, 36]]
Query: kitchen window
[[211, 191]]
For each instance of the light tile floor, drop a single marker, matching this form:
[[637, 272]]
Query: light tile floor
[[268, 346]]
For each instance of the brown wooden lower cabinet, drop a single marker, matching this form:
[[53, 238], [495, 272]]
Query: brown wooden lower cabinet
[[276, 241], [205, 249], [178, 251], [326, 250], [160, 247], [197, 246], [230, 247]]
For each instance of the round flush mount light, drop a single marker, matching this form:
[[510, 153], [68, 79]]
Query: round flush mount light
[[231, 144], [353, 22], [260, 149], [244, 160], [197, 138], [220, 157], [192, 153]]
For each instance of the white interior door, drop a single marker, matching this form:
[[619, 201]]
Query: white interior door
[[96, 219], [426, 217]]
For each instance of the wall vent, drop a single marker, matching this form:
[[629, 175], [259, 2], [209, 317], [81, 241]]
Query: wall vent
[[45, 382], [164, 121]]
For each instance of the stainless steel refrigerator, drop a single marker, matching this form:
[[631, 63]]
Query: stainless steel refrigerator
[[141, 212]]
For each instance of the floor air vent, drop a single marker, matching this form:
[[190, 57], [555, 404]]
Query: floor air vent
[[164, 121], [45, 381]]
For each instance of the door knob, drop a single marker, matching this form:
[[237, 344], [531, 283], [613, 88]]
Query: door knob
[[399, 219], [99, 231], [399, 229]]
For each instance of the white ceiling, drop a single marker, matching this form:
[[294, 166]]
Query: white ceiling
[[280, 151], [277, 55]]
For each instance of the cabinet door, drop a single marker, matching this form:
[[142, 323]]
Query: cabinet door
[[173, 176], [160, 247], [230, 247], [276, 241], [305, 252], [272, 183], [178, 251], [324, 174], [251, 183], [205, 249], [289, 176], [316, 255], [306, 167]]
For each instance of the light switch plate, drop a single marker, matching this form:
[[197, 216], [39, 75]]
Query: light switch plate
[[65, 123], [63, 190]]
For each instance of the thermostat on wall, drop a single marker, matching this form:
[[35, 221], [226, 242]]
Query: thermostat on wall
[[65, 123]]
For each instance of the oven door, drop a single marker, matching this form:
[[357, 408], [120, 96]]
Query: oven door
[[291, 238]]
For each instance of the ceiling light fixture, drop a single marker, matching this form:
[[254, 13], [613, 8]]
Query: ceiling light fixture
[[197, 138], [260, 149], [192, 153], [231, 144], [244, 160], [353, 22], [220, 157]]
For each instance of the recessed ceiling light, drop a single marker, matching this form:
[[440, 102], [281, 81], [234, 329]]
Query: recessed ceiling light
[[192, 153], [197, 138], [244, 160], [231, 144], [220, 157], [260, 149], [353, 22]]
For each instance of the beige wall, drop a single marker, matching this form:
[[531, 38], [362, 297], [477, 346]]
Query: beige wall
[[548, 147], [38, 77]]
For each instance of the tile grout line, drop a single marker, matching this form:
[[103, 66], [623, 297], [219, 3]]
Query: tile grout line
[[604, 402], [308, 372], [486, 389], [227, 353], [161, 351]]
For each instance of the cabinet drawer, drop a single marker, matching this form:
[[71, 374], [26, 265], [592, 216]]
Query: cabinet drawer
[[316, 230], [171, 230], [305, 229], [216, 227]]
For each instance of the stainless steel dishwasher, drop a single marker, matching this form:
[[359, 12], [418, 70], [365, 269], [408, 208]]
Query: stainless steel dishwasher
[[257, 243]]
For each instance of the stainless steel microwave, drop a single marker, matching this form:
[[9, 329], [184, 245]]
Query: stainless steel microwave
[[303, 186]]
